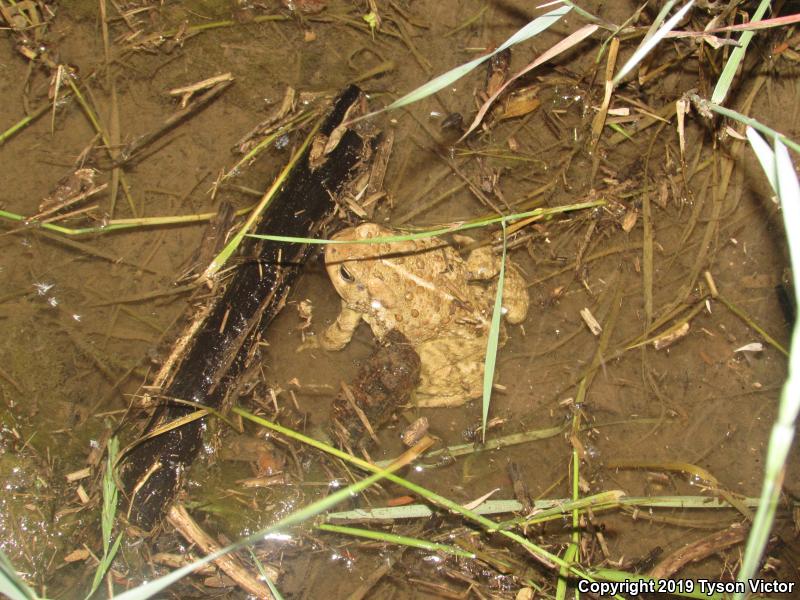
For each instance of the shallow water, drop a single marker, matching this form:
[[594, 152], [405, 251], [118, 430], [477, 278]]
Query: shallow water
[[81, 332]]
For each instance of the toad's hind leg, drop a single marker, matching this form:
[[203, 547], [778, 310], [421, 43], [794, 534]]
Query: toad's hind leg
[[339, 334], [482, 264], [451, 373]]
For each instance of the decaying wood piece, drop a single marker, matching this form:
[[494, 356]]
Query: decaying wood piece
[[179, 518], [697, 551], [221, 340]]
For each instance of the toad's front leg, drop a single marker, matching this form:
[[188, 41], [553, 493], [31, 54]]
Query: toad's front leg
[[339, 334]]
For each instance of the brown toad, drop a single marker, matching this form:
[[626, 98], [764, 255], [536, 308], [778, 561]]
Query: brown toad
[[427, 291]]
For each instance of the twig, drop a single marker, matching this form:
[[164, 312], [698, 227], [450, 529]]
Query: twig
[[186, 92], [699, 550], [179, 518], [130, 151]]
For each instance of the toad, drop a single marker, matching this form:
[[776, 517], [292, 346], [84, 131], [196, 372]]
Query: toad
[[441, 302]]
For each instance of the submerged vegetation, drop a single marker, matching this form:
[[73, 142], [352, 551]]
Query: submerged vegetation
[[637, 427]]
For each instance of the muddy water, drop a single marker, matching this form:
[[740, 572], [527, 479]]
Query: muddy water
[[81, 332]]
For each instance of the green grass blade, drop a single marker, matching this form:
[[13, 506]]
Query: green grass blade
[[704, 105], [494, 339], [110, 493], [292, 124], [560, 508], [586, 15], [504, 441], [438, 230], [765, 156], [570, 556], [263, 572], [392, 538], [729, 72], [272, 587], [104, 565], [107, 516], [650, 43], [113, 224], [572, 553], [662, 14], [121, 224], [232, 246], [381, 513], [437, 83], [11, 584], [546, 510], [530, 30], [783, 430], [789, 194]]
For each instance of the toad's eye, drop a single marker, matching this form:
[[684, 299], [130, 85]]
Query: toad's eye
[[345, 274]]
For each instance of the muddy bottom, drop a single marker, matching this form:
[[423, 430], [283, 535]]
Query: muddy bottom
[[687, 244]]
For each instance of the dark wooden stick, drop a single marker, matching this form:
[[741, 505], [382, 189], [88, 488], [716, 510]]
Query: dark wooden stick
[[222, 340]]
